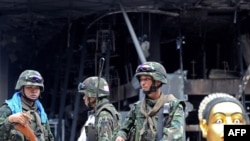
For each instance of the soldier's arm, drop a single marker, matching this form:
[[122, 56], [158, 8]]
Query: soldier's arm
[[128, 123], [174, 129], [5, 125], [105, 126]]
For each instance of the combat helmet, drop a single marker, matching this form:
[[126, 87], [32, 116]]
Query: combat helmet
[[30, 77], [153, 69], [89, 87]]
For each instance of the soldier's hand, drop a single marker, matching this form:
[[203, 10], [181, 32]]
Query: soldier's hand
[[22, 118], [119, 139]]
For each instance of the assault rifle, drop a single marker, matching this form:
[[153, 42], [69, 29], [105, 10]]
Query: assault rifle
[[92, 133]]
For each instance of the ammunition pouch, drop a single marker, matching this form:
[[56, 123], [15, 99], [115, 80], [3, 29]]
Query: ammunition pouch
[[148, 135], [91, 133], [15, 135]]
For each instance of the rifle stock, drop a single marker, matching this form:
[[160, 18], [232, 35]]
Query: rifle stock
[[26, 131]]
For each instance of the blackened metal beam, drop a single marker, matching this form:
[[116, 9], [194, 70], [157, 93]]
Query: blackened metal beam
[[133, 35]]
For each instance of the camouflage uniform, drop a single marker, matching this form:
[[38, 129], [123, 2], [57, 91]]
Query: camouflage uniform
[[108, 120], [134, 127], [39, 125], [8, 133]]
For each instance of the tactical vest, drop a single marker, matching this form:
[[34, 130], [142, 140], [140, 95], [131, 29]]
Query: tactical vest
[[167, 112], [39, 129], [92, 131]]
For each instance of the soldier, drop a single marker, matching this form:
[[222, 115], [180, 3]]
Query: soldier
[[157, 116], [23, 117], [104, 121], [218, 109]]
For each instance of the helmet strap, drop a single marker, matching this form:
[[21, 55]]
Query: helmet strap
[[153, 88], [25, 97]]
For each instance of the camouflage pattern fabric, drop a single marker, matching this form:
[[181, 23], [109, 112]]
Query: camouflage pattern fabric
[[154, 69], [30, 77], [89, 87], [8, 132], [173, 129], [108, 121]]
